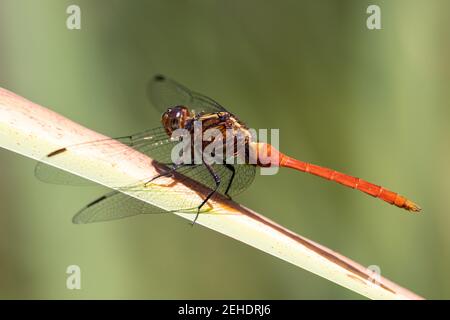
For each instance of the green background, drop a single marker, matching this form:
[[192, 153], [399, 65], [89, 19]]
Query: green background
[[369, 103]]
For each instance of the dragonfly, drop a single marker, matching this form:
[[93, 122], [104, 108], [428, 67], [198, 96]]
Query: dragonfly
[[181, 108]]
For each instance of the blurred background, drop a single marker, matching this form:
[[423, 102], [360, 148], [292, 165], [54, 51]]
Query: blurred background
[[369, 103]]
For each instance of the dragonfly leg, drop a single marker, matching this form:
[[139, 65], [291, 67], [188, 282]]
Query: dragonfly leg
[[165, 174], [217, 182], [233, 172]]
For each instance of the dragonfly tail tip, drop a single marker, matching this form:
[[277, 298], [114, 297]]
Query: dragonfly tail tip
[[412, 207]]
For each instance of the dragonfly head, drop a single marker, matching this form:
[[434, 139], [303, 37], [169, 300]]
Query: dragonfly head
[[175, 118]]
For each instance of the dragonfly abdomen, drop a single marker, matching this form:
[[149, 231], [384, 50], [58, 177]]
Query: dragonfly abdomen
[[352, 182], [266, 150]]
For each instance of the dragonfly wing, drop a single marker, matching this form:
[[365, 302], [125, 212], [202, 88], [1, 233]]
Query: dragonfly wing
[[180, 200], [165, 93], [244, 175], [154, 143], [243, 178], [112, 206]]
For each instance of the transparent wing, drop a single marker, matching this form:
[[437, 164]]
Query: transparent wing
[[112, 206], [158, 146], [181, 200], [153, 142], [165, 93], [244, 175], [116, 205], [243, 178]]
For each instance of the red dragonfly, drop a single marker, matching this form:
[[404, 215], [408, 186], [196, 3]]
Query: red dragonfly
[[182, 108]]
